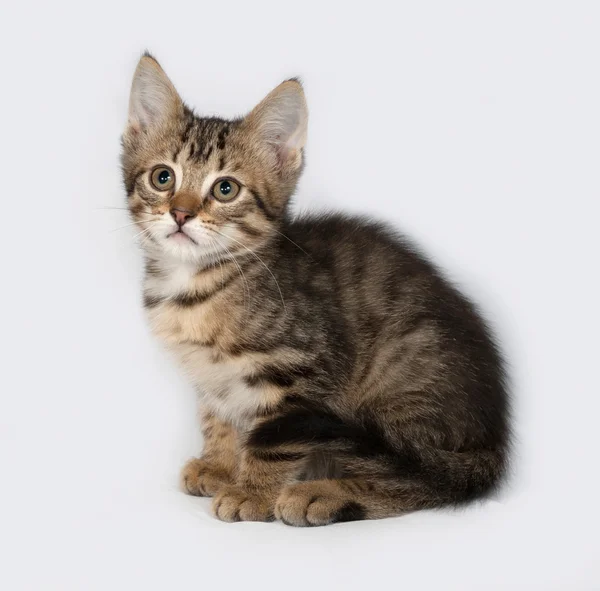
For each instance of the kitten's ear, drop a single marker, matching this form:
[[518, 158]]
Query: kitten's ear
[[153, 98], [281, 121]]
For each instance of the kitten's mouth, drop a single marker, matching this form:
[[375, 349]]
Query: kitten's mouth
[[181, 236]]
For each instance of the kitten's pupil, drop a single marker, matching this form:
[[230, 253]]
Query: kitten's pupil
[[225, 187], [164, 177]]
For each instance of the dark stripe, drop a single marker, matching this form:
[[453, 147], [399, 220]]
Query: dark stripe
[[222, 137], [192, 149], [131, 183], [151, 301], [278, 456], [188, 129], [187, 300], [248, 229], [206, 156], [136, 209], [261, 205], [351, 511], [211, 266], [283, 377], [252, 347], [152, 268], [197, 343], [300, 426], [221, 163], [307, 422]]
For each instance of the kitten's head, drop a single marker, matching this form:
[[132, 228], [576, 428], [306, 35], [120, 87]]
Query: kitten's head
[[200, 188]]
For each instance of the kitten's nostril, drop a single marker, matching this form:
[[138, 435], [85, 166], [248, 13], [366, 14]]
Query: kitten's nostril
[[181, 216]]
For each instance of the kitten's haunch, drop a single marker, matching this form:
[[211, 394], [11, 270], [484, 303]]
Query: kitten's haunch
[[341, 376]]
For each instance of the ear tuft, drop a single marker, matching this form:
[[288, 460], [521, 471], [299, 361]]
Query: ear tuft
[[281, 120], [153, 98]]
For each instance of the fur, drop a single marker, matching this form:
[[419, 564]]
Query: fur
[[341, 376]]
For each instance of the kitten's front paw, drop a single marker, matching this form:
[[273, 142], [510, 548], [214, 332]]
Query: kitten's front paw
[[235, 504], [202, 479], [315, 503]]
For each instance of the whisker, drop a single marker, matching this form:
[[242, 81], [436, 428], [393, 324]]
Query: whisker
[[288, 238], [245, 284], [144, 231], [104, 208], [129, 225], [261, 261], [220, 265], [147, 237], [212, 243]]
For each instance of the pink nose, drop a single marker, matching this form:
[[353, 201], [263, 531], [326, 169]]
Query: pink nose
[[181, 216]]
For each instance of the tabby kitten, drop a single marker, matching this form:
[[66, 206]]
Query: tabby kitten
[[340, 376]]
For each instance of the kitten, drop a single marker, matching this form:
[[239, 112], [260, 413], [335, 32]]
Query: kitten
[[340, 376]]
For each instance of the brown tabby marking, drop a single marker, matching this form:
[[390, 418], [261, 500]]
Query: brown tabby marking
[[341, 376]]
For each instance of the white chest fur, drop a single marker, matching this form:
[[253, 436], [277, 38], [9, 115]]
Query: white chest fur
[[219, 379], [171, 279], [221, 383]]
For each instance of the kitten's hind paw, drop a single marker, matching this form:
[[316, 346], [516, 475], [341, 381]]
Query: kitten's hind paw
[[202, 479], [319, 502], [235, 504]]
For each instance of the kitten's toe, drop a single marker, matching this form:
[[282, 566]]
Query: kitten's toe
[[201, 479], [315, 503], [235, 504]]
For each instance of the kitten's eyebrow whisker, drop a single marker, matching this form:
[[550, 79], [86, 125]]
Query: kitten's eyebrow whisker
[[262, 263]]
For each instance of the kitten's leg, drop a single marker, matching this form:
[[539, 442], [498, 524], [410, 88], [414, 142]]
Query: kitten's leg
[[391, 483], [262, 475], [217, 466], [371, 478], [321, 502]]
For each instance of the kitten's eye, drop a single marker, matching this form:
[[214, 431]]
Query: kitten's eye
[[225, 190], [162, 178]]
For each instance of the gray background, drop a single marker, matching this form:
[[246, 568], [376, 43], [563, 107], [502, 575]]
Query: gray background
[[473, 126]]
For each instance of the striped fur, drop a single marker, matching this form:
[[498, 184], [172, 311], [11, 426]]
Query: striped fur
[[341, 376]]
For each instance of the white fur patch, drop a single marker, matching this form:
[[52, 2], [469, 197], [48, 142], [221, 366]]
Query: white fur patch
[[176, 278], [218, 379], [220, 384]]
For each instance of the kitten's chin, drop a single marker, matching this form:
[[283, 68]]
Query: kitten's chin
[[180, 237], [184, 249]]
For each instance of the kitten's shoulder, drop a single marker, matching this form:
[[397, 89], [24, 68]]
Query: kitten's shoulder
[[338, 229]]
